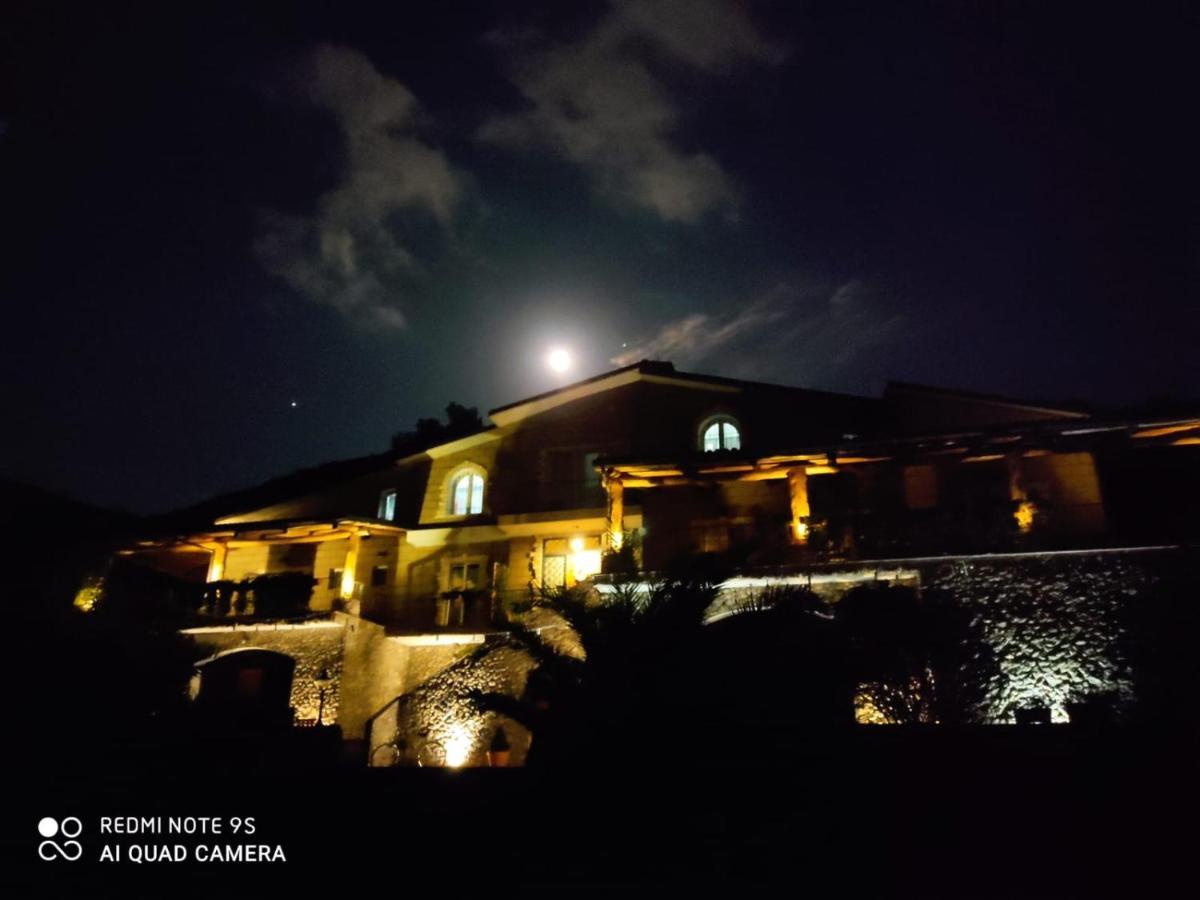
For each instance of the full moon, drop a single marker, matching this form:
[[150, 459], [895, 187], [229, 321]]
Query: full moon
[[558, 359]]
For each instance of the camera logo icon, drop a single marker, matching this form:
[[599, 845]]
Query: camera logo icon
[[69, 849]]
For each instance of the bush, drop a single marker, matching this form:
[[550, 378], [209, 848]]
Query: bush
[[283, 594], [916, 657]]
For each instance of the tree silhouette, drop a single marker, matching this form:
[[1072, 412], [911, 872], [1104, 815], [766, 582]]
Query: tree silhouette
[[597, 680], [460, 421]]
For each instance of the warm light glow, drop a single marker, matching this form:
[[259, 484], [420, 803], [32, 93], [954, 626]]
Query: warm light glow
[[1024, 515], [576, 544], [458, 746], [585, 563], [865, 710], [350, 567], [798, 502], [216, 562], [820, 470], [89, 594], [1165, 430], [559, 360]]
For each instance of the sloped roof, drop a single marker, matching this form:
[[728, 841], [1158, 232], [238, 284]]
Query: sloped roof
[[652, 371], [909, 387]]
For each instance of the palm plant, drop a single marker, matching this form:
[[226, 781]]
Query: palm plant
[[602, 667], [917, 657]]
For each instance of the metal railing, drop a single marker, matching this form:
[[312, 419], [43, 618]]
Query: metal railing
[[479, 611]]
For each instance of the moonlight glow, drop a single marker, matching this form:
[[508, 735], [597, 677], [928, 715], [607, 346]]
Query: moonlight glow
[[559, 360]]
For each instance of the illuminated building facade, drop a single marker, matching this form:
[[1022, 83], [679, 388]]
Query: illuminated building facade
[[645, 466]]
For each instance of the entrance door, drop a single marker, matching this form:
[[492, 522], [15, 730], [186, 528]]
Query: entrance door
[[554, 572]]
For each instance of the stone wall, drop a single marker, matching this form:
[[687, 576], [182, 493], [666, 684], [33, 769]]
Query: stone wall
[[374, 671], [437, 709], [313, 645], [434, 711], [1057, 624]]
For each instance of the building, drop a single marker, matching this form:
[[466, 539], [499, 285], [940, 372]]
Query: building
[[645, 466]]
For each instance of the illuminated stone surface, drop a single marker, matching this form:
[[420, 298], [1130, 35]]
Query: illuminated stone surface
[[1054, 623], [437, 708], [314, 647]]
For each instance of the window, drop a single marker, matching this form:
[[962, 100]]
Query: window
[[720, 434], [591, 475], [387, 506], [464, 577], [335, 579], [379, 576], [466, 494], [711, 538]]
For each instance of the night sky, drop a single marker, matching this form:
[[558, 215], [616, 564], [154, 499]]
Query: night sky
[[237, 243]]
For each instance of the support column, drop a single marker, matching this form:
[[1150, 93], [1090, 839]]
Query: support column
[[1026, 509], [798, 499], [616, 512], [920, 487], [350, 568], [216, 562]]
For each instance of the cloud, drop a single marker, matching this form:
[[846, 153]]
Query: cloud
[[815, 336], [698, 336], [597, 103], [707, 34], [346, 255]]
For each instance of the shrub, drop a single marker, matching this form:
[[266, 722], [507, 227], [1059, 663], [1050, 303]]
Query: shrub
[[282, 594]]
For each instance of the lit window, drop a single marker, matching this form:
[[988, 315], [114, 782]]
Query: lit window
[[466, 494], [721, 434], [387, 506]]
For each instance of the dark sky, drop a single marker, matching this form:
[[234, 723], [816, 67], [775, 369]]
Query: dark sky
[[368, 212]]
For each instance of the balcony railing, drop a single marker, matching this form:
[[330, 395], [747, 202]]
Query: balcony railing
[[278, 595], [460, 612]]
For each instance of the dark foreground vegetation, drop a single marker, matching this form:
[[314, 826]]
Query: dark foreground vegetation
[[678, 752], [1038, 812]]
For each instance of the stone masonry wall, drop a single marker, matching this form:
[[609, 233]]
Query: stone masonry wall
[[1056, 624], [313, 645]]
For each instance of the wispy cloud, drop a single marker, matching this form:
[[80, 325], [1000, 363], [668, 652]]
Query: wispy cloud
[[697, 336], [811, 334], [346, 255], [597, 103]]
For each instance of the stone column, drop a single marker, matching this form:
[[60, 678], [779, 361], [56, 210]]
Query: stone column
[[350, 568], [1026, 509], [798, 497], [616, 511], [216, 562]]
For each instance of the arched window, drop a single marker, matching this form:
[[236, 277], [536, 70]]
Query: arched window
[[466, 494], [720, 434]]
